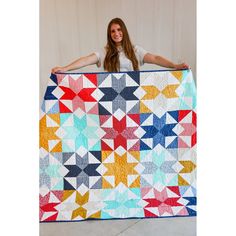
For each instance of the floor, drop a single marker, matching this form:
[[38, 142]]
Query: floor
[[177, 226]]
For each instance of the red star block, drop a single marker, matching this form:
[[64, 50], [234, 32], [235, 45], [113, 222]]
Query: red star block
[[92, 78], [119, 133]]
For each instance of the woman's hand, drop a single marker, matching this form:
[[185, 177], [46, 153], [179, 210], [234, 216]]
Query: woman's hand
[[182, 66], [58, 69]]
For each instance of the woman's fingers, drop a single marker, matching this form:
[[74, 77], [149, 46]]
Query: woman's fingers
[[56, 69], [184, 66]]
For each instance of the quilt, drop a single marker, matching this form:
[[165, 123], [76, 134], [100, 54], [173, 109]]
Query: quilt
[[118, 145]]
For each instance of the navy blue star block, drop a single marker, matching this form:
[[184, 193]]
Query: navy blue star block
[[67, 185], [53, 77], [109, 94], [90, 170], [97, 154], [48, 95], [74, 170], [102, 110], [135, 75], [128, 93]]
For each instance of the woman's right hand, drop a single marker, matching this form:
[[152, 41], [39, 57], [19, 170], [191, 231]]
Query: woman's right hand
[[58, 69]]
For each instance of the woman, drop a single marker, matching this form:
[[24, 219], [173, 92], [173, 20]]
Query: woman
[[119, 54]]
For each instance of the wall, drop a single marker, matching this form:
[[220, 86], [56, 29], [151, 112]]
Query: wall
[[73, 28]]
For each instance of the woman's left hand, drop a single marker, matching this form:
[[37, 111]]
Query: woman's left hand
[[182, 66]]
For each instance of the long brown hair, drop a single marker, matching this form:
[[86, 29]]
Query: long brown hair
[[111, 61]]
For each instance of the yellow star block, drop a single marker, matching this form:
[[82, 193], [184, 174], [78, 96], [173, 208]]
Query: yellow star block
[[48, 133], [188, 166], [178, 75], [182, 181], [151, 92], [80, 200], [120, 169], [169, 91]]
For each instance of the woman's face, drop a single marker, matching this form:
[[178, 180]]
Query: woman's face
[[116, 34]]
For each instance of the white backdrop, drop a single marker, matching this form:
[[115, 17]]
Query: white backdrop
[[70, 29]]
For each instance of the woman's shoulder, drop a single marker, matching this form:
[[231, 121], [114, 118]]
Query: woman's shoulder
[[101, 51], [138, 49], [136, 46]]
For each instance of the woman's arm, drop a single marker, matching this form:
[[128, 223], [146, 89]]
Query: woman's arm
[[79, 63], [161, 61]]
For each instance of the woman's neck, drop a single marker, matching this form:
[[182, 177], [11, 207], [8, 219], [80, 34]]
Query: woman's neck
[[119, 47]]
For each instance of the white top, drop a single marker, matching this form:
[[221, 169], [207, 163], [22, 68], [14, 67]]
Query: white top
[[125, 63]]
